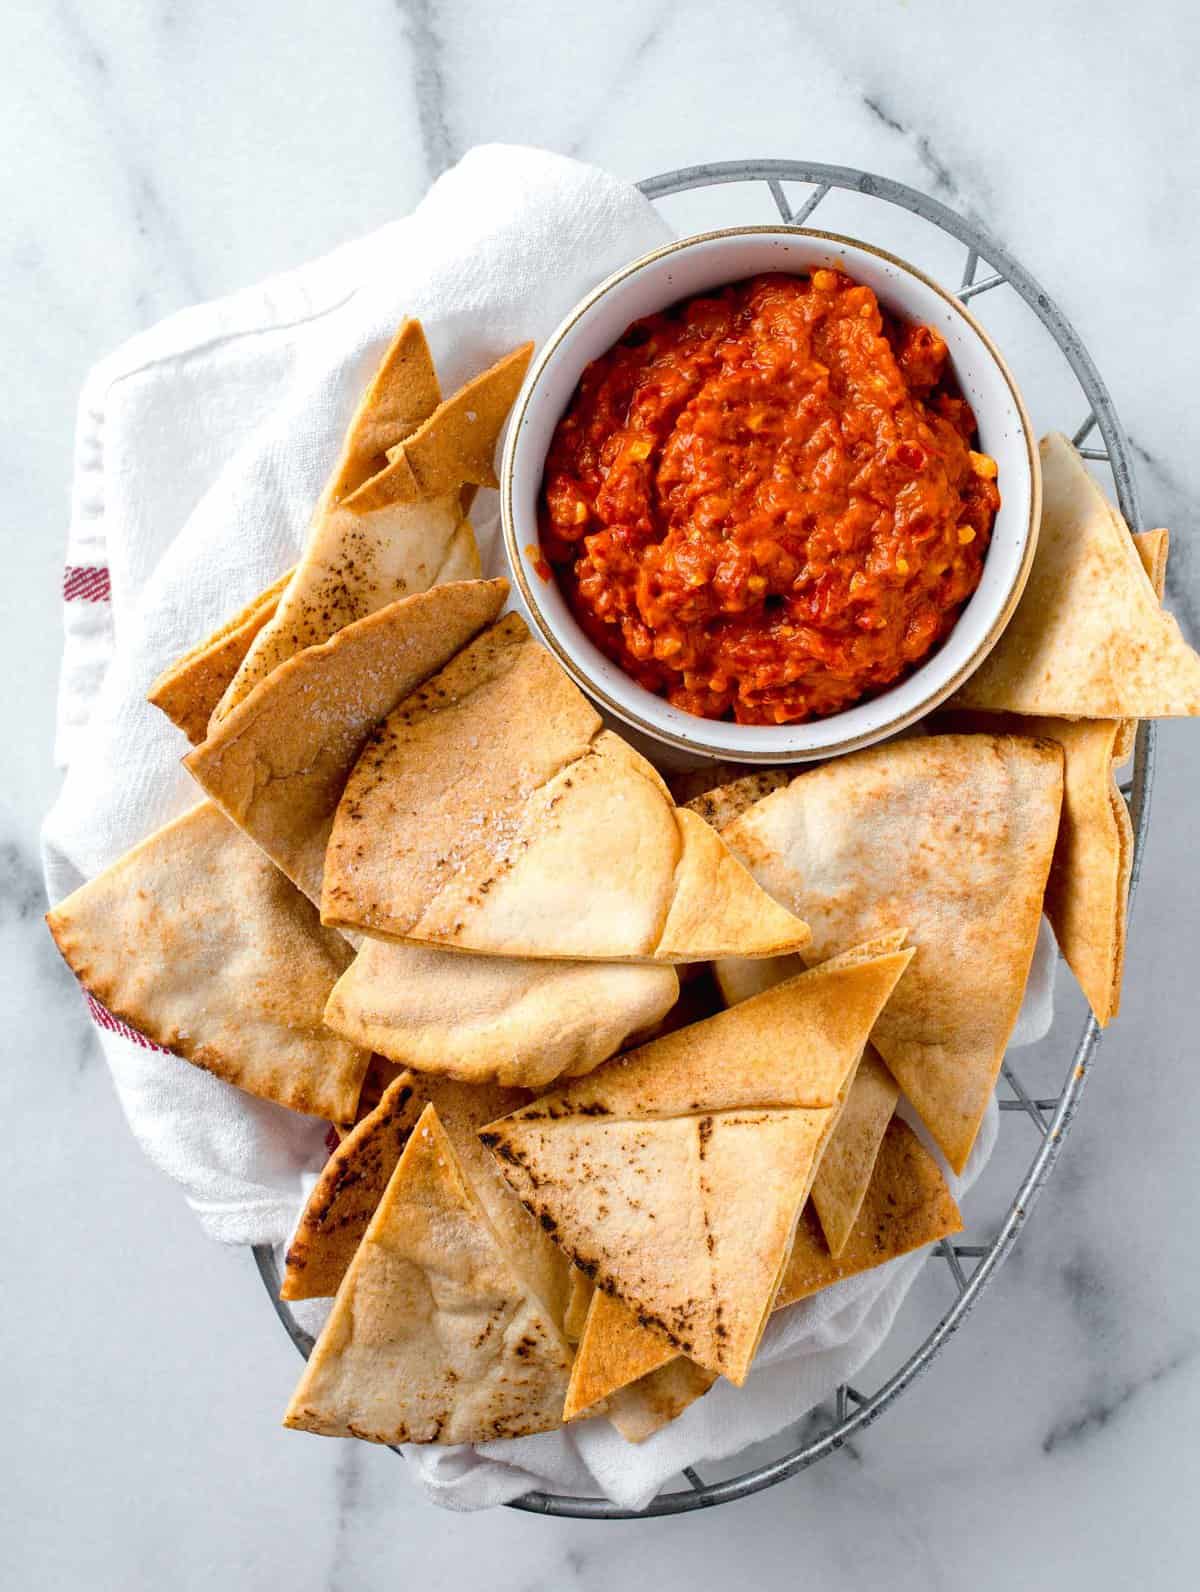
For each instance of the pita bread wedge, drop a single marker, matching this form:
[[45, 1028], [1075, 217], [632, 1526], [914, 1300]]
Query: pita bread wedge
[[345, 1196], [190, 689], [1089, 638], [1152, 548], [491, 812], [1087, 892], [579, 1301], [486, 1018], [950, 837], [354, 561], [907, 1206], [278, 763], [455, 445], [198, 942], [632, 1372], [848, 1163], [434, 1336], [719, 805], [615, 1350], [674, 1176]]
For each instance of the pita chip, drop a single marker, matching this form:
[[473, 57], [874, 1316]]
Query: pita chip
[[615, 1350], [358, 560], [491, 812], [434, 1336], [1152, 548], [579, 1301], [674, 1176], [352, 1182], [848, 1163], [278, 763], [346, 1194], [485, 1018], [190, 689], [198, 942], [907, 1205], [456, 445], [1089, 638], [719, 805], [949, 837], [632, 1371]]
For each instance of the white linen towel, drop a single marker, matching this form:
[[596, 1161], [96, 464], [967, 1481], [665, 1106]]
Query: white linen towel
[[202, 445]]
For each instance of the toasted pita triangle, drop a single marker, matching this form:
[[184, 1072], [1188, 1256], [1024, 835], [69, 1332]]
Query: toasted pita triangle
[[345, 1196], [1088, 639], [488, 1018], [492, 813], [907, 1205], [1152, 548], [846, 1168], [579, 1302], [433, 1336], [456, 444], [278, 763], [190, 689], [719, 805], [1087, 892], [614, 1351], [950, 837], [642, 1170], [357, 561], [634, 1372], [195, 940]]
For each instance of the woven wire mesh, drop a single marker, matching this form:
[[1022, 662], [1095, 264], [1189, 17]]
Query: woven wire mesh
[[985, 266]]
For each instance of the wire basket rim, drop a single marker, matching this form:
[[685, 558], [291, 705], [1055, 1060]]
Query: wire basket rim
[[981, 247]]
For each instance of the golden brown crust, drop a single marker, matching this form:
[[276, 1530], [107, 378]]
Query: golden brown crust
[[194, 939], [949, 837], [189, 690]]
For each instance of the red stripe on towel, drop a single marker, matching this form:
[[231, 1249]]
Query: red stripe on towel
[[103, 1018], [86, 583]]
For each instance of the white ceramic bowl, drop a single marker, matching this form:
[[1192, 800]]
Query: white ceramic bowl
[[696, 265]]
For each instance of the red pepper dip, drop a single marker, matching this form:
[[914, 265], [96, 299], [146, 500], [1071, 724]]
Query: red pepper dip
[[764, 504]]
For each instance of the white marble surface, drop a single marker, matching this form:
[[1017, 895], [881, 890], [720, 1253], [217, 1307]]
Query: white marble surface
[[161, 154]]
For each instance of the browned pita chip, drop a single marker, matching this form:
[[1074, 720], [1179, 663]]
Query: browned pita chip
[[456, 444], [579, 1301], [1152, 548], [1089, 638], [615, 1349], [198, 942], [674, 1176], [278, 763], [848, 1163], [434, 1336], [356, 1174], [500, 1019], [949, 837], [719, 805], [190, 689], [354, 562], [346, 1194], [907, 1205], [492, 813]]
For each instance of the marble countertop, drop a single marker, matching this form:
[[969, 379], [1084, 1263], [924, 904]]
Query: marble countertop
[[169, 154]]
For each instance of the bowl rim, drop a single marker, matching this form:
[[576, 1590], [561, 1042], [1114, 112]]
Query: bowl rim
[[696, 744]]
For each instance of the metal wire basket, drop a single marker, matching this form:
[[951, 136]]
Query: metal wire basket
[[972, 1265]]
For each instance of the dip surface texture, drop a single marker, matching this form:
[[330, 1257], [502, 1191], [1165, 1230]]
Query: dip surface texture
[[764, 503]]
